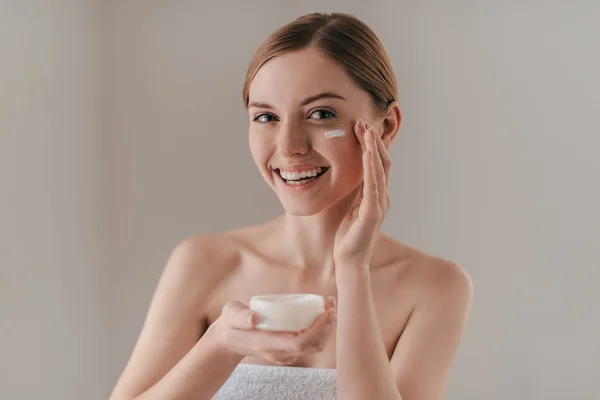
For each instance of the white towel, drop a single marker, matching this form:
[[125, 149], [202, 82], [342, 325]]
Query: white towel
[[265, 382]]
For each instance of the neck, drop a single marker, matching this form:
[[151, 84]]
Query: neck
[[308, 241]]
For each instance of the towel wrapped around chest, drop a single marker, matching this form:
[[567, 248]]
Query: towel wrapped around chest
[[265, 382]]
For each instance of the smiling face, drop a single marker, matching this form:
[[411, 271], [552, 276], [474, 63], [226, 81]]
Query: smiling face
[[294, 99]]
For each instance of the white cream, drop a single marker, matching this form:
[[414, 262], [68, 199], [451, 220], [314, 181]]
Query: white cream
[[287, 312], [334, 134]]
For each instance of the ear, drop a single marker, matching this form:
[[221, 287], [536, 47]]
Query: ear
[[391, 123]]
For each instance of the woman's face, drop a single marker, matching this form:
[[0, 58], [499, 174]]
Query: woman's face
[[294, 100]]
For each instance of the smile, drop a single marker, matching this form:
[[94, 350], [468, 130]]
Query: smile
[[299, 178]]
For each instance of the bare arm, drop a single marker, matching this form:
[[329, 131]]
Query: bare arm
[[363, 368], [198, 375], [168, 360], [171, 362], [423, 357]]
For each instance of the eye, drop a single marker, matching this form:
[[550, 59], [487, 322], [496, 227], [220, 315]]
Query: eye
[[263, 118], [322, 114]]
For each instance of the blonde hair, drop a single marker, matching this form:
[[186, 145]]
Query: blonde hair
[[344, 39]]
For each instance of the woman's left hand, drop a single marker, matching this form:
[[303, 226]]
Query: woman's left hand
[[356, 236]]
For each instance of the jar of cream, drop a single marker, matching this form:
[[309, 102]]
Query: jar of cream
[[287, 312]]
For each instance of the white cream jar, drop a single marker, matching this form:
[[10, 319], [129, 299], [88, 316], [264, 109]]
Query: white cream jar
[[287, 312]]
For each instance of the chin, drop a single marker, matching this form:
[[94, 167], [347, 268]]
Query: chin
[[304, 204], [299, 209], [307, 207]]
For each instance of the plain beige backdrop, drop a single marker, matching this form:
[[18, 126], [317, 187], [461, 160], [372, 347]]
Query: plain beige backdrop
[[122, 131]]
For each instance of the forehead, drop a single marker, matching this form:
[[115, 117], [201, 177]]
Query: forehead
[[288, 79]]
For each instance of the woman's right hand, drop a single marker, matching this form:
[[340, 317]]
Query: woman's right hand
[[238, 335]]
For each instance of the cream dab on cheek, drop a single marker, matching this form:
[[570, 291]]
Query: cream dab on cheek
[[334, 134]]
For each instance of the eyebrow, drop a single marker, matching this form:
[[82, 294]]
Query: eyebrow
[[308, 100]]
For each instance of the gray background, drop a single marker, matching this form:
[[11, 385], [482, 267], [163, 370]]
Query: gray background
[[122, 131]]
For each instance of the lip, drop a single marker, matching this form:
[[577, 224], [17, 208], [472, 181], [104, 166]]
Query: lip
[[299, 188]]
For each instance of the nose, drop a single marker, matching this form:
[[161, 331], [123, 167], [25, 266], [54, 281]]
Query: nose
[[293, 140]]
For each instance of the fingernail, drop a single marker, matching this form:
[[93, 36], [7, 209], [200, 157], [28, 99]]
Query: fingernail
[[251, 319], [332, 301]]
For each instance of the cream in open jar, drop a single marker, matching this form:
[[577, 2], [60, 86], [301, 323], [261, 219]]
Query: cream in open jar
[[287, 312]]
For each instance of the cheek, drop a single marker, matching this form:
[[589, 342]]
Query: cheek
[[259, 148], [345, 155], [352, 168]]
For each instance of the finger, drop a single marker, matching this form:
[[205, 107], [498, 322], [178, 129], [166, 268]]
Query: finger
[[265, 344], [331, 317], [387, 163], [311, 334], [310, 340], [317, 324], [359, 131], [331, 302], [379, 170], [321, 341], [287, 361], [385, 159], [359, 197], [370, 196], [282, 344], [238, 315]]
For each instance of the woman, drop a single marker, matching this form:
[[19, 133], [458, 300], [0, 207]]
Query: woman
[[400, 313]]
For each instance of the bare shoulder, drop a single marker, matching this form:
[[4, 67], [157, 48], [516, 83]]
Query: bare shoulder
[[204, 257], [194, 269], [209, 258], [428, 276], [177, 313], [438, 293]]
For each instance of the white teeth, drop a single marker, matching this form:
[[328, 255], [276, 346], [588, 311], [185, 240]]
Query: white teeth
[[300, 182], [300, 175]]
